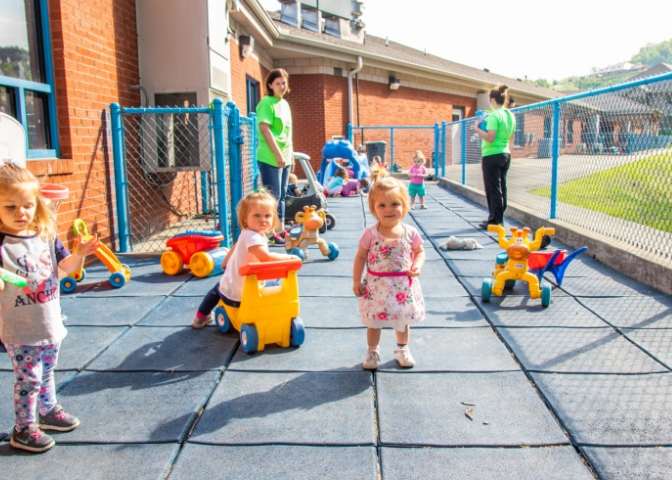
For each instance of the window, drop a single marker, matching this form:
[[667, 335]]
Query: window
[[309, 19], [458, 113], [519, 138], [289, 13], [547, 127], [252, 94], [26, 73], [570, 131], [332, 26]]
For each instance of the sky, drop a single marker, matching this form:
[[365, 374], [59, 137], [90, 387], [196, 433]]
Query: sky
[[533, 38]]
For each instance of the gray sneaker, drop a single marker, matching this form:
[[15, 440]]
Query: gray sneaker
[[59, 420], [31, 439]]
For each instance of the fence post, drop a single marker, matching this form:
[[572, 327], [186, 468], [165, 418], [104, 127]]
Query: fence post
[[555, 154], [235, 166], [120, 181], [437, 153], [253, 143], [393, 165], [463, 151], [443, 148], [220, 168], [348, 132]]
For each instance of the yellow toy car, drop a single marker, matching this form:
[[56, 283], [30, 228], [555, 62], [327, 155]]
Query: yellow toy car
[[268, 312]]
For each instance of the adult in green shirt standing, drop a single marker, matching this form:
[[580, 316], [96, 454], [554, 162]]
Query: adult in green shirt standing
[[500, 125], [274, 128]]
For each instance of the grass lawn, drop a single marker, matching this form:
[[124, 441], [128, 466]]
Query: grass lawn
[[640, 191]]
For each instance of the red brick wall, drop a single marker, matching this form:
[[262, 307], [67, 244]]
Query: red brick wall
[[307, 100], [240, 69], [320, 110], [95, 61]]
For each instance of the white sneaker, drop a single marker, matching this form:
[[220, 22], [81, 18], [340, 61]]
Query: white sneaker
[[403, 357], [372, 360], [200, 322]]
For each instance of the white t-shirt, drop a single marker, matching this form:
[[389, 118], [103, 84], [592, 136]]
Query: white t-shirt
[[231, 283]]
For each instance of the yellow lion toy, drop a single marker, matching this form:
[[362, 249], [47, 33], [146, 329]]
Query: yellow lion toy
[[307, 233], [514, 264]]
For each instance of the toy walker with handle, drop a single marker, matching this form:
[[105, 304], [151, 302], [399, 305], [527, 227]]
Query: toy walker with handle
[[12, 278], [267, 313], [514, 264], [119, 272]]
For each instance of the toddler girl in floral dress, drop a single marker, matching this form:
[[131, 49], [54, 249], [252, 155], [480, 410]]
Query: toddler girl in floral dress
[[389, 292]]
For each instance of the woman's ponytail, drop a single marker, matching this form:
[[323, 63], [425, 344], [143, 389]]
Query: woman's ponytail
[[500, 95]]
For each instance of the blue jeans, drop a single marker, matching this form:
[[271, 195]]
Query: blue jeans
[[275, 180]]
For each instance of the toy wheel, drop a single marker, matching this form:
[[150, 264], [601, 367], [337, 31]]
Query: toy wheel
[[297, 252], [545, 294], [201, 264], [323, 228], [333, 251], [297, 333], [331, 221], [486, 290], [222, 320], [68, 285], [79, 276], [171, 262], [249, 339], [117, 280]]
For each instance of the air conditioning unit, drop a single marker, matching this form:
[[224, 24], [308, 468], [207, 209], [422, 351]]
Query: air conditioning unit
[[173, 145]]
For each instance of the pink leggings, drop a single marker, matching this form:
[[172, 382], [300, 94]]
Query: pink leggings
[[34, 388]]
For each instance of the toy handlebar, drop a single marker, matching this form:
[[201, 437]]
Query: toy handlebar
[[14, 279], [270, 270]]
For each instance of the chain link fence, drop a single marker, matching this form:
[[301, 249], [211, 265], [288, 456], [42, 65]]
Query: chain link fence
[[168, 163], [612, 174], [179, 169]]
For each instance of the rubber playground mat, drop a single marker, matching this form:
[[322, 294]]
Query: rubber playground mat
[[506, 389]]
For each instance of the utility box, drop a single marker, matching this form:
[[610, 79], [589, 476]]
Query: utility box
[[375, 148]]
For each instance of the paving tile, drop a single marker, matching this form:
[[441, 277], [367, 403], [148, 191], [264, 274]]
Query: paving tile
[[519, 311], [631, 463], [612, 409], [549, 463], [507, 411], [656, 342], [307, 408], [85, 462], [606, 286], [451, 349], [79, 347], [168, 349], [577, 350], [196, 287], [276, 461], [118, 407], [633, 312], [144, 282], [323, 267], [472, 268], [107, 311], [173, 312]]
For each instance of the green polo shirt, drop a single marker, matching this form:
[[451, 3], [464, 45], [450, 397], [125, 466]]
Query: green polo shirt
[[276, 113], [503, 122]]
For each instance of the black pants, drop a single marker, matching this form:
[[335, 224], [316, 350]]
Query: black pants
[[211, 300], [494, 180]]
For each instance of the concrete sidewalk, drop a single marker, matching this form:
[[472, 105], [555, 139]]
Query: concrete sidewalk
[[578, 390]]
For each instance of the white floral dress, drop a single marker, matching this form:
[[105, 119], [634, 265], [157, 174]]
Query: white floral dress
[[390, 299]]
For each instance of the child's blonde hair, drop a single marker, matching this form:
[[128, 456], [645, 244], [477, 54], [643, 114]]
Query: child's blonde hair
[[388, 184], [260, 196], [11, 176], [419, 156], [291, 179]]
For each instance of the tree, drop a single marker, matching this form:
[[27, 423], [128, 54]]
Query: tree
[[654, 53]]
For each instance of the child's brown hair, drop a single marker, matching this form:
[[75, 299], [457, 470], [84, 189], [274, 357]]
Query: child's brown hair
[[260, 196], [11, 176], [387, 184]]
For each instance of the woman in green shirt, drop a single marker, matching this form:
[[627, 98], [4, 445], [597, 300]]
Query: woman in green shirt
[[500, 125], [274, 131]]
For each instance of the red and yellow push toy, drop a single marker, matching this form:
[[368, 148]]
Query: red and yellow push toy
[[200, 250], [268, 312]]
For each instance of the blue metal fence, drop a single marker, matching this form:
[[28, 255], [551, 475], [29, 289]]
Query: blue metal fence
[[600, 161], [180, 169]]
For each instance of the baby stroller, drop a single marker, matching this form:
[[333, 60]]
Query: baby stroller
[[312, 195]]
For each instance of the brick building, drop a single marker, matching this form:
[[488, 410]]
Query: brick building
[[65, 61]]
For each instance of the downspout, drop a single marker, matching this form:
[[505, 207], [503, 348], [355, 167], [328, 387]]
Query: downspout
[[352, 73]]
